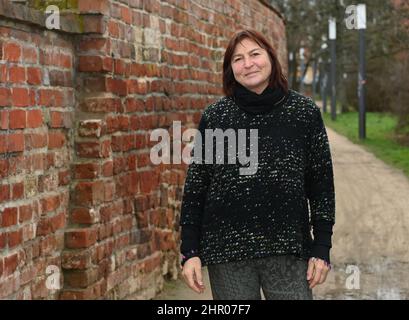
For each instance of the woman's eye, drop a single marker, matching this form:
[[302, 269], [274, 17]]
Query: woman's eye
[[255, 54], [238, 59]]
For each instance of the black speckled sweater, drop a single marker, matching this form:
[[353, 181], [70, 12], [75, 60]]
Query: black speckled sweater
[[228, 217]]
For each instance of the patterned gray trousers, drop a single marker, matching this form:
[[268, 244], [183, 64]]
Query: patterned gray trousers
[[280, 278]]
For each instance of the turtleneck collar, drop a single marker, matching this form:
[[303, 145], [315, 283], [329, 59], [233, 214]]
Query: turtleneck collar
[[254, 103]]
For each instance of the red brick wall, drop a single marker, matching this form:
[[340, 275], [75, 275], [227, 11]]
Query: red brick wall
[[37, 100], [77, 188]]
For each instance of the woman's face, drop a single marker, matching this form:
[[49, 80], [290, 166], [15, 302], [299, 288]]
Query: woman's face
[[251, 66]]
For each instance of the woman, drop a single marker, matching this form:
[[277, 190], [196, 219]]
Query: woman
[[254, 231]]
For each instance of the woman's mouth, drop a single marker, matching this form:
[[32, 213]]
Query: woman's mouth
[[251, 73]]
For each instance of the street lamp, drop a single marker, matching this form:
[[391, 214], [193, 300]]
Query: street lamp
[[318, 68], [314, 77], [324, 85], [302, 67], [361, 19], [290, 68], [332, 35]]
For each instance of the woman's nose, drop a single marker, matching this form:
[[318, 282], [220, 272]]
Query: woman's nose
[[247, 63]]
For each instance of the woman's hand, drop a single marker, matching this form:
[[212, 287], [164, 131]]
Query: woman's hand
[[192, 272], [317, 271]]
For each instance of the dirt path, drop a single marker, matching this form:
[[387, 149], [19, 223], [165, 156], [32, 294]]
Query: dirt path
[[371, 236]]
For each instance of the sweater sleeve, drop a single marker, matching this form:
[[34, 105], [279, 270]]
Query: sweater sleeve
[[322, 231], [197, 181], [319, 185]]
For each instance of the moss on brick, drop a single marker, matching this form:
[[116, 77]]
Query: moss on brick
[[43, 4], [61, 4], [72, 4], [80, 22]]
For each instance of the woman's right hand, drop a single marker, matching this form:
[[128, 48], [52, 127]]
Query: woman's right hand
[[192, 273]]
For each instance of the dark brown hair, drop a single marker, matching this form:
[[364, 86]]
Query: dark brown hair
[[277, 78]]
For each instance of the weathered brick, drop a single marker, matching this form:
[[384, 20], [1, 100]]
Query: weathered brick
[[17, 191], [107, 169], [59, 78], [80, 238], [80, 278], [12, 52], [4, 193], [86, 171], [113, 29], [98, 149], [15, 238], [56, 119], [91, 128], [51, 98], [3, 72], [50, 204], [64, 177], [54, 57], [117, 86], [94, 64], [35, 140], [56, 140], [84, 216], [98, 44], [34, 76], [28, 274], [101, 105], [3, 243], [10, 264], [94, 24], [88, 193], [47, 225], [15, 142], [25, 213], [51, 243], [34, 118], [3, 143], [77, 259], [17, 119], [109, 191], [30, 55], [95, 83], [39, 289], [93, 6], [4, 165], [22, 97], [17, 74], [92, 292], [5, 97], [138, 86]]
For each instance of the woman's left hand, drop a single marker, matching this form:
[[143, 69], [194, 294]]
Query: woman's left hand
[[317, 271]]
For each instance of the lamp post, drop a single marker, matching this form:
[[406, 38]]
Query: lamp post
[[318, 69], [361, 19], [290, 69], [314, 78], [302, 67], [332, 40], [324, 86]]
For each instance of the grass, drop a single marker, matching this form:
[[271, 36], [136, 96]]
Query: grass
[[380, 137]]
